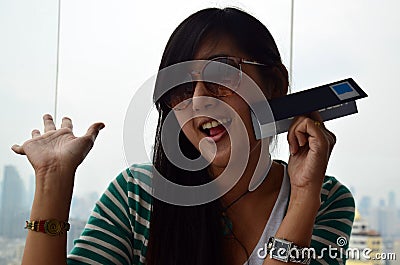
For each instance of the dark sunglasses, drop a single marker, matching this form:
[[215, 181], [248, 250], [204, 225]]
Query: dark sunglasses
[[225, 73]]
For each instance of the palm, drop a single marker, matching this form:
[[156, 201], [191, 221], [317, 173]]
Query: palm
[[55, 147], [58, 149]]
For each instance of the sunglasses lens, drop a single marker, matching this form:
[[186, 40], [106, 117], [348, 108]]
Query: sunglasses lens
[[179, 95], [222, 76]]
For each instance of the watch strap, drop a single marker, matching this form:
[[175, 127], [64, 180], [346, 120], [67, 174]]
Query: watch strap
[[275, 244]]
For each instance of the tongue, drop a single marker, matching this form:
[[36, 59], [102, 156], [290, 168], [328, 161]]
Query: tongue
[[217, 130]]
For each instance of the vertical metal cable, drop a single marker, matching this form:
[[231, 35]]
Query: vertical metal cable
[[57, 61], [291, 45]]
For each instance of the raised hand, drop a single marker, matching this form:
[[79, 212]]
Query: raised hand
[[57, 150], [310, 146], [54, 155]]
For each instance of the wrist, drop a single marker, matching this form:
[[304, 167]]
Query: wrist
[[299, 220], [305, 201], [49, 206], [53, 196], [307, 193], [50, 227], [54, 180]]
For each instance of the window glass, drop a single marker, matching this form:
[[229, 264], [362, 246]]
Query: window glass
[[28, 31], [108, 50]]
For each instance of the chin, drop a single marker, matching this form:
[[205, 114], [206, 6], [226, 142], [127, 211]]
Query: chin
[[220, 162]]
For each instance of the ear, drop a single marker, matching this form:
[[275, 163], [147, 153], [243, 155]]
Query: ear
[[282, 81]]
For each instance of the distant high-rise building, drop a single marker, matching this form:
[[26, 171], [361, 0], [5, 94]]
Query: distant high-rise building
[[30, 191], [364, 206], [386, 222], [1, 192], [362, 238], [12, 211], [382, 203], [392, 199]]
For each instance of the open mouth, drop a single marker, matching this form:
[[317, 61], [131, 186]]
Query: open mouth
[[215, 127]]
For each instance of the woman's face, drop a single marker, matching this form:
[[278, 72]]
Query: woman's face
[[230, 113]]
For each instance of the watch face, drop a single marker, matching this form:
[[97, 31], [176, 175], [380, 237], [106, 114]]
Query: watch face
[[280, 250]]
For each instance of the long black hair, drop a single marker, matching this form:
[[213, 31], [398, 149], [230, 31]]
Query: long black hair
[[194, 234]]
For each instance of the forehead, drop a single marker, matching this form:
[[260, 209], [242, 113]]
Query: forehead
[[212, 47]]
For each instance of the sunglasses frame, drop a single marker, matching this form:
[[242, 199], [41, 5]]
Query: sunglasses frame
[[239, 61]]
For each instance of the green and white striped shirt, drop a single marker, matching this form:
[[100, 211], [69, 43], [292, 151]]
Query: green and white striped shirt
[[118, 229]]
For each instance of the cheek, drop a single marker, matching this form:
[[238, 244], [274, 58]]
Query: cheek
[[183, 117], [243, 110], [189, 132], [186, 125]]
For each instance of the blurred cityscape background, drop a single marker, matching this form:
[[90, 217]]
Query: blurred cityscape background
[[15, 202], [103, 51], [376, 226]]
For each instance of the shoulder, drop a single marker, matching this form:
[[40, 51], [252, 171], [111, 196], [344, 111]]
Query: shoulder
[[335, 193], [337, 205], [135, 182], [131, 192], [138, 176], [128, 197], [118, 229]]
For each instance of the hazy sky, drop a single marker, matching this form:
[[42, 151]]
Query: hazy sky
[[108, 49]]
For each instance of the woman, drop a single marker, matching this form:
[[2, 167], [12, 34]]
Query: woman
[[295, 205]]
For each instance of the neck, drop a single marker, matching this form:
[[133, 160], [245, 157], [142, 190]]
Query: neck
[[256, 173]]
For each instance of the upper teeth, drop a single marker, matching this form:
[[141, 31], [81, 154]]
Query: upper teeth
[[212, 124]]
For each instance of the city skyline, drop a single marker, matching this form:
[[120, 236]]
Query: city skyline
[[382, 222], [29, 180], [82, 204]]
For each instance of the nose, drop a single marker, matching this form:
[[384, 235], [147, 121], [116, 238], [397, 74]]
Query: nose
[[202, 99]]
